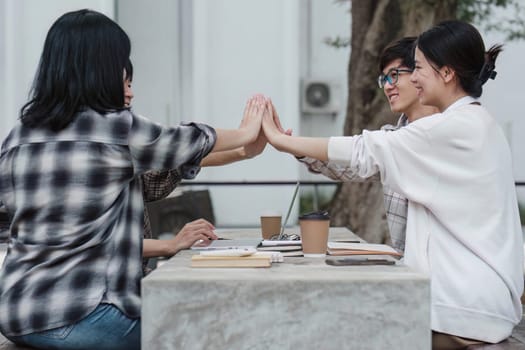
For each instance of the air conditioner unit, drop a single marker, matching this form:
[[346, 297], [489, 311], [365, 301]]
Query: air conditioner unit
[[320, 96]]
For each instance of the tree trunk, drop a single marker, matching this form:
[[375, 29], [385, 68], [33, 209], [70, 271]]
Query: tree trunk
[[375, 23]]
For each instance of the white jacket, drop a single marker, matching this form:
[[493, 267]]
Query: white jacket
[[463, 227]]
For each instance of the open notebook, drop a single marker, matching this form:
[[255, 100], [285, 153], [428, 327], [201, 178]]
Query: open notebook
[[237, 243]]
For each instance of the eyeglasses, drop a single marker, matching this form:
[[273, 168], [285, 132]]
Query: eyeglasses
[[391, 76]]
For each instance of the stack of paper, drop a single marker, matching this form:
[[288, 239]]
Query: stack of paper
[[273, 243], [286, 248], [337, 248]]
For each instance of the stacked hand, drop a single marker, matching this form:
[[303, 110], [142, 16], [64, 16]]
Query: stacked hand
[[252, 121], [260, 109]]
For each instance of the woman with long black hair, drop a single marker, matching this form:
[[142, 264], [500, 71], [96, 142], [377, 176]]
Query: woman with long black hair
[[69, 180]]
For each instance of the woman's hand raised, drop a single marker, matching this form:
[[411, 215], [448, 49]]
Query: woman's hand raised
[[284, 141], [272, 126]]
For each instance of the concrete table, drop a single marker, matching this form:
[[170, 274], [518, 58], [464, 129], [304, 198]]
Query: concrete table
[[299, 304]]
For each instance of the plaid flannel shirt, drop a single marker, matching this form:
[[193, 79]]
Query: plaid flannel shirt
[[4, 224], [155, 186], [77, 213], [396, 206]]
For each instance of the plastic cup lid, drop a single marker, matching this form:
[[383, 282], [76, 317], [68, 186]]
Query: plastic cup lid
[[315, 215]]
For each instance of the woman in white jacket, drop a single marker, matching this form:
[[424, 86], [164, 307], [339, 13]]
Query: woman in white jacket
[[455, 168]]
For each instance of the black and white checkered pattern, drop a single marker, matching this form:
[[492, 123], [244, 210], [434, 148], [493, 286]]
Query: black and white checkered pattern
[[4, 224], [396, 206], [77, 213], [156, 185]]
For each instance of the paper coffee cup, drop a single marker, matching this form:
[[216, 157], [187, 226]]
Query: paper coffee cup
[[314, 233], [270, 224]]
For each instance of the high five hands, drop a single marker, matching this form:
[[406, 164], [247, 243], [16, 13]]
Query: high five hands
[[260, 111], [262, 123]]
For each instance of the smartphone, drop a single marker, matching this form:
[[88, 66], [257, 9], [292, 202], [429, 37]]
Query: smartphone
[[358, 260]]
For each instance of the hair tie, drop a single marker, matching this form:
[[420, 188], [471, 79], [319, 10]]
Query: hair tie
[[487, 72]]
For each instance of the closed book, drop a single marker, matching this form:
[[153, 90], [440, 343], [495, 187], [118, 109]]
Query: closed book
[[280, 248], [231, 261], [337, 248], [292, 253]]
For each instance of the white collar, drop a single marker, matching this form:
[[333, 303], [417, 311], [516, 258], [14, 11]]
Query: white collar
[[460, 102]]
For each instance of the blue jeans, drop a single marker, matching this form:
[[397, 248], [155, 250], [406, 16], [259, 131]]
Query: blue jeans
[[106, 328]]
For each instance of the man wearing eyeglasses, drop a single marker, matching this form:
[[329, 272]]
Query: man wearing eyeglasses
[[395, 66]]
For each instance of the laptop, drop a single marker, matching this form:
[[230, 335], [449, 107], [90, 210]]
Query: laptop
[[220, 244]]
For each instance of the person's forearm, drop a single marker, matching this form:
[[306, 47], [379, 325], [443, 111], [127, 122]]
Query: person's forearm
[[224, 157], [229, 139], [153, 248], [335, 171], [303, 146]]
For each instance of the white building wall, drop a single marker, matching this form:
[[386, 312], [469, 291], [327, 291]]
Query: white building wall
[[244, 47], [5, 120], [241, 48], [155, 37], [504, 97], [321, 20], [325, 19]]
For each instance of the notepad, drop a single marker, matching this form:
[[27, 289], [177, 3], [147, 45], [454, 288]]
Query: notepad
[[280, 248], [273, 243], [238, 243]]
